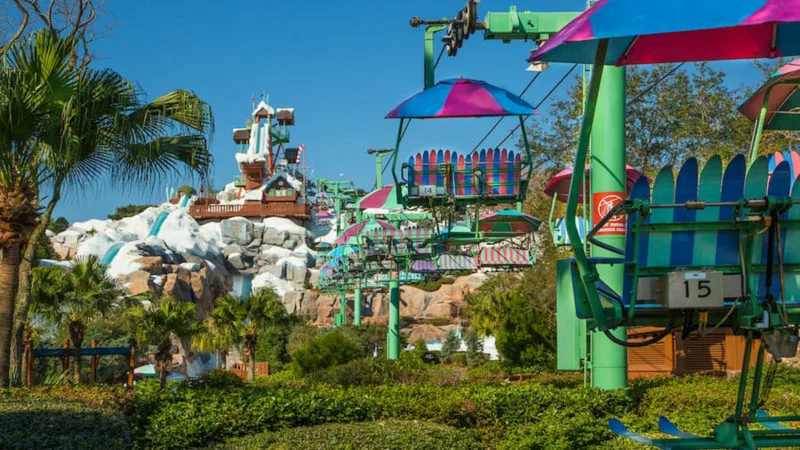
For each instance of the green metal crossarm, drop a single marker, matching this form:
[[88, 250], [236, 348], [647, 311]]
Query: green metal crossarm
[[526, 25]]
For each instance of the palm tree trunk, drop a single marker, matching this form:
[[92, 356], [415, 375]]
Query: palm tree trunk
[[251, 372], [76, 364], [23, 294], [9, 278]]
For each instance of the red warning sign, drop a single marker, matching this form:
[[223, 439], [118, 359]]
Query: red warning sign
[[603, 203]]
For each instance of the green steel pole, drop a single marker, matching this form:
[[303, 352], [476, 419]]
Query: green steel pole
[[608, 184], [430, 61], [378, 171], [393, 336], [357, 305], [343, 308]]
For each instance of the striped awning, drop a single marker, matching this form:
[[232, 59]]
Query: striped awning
[[455, 262], [423, 267], [503, 257]]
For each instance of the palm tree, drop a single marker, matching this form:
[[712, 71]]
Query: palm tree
[[223, 326], [94, 122], [261, 309], [235, 322], [156, 324], [75, 297], [27, 105]]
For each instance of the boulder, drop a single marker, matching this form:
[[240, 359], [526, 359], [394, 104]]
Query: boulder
[[274, 237], [231, 249], [293, 301], [309, 306], [203, 294], [236, 230], [258, 231], [65, 251], [177, 287], [296, 273], [238, 261], [150, 264], [138, 282], [413, 301], [278, 271], [289, 244], [313, 277]]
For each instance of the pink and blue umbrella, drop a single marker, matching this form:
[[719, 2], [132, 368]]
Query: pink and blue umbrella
[[653, 32], [461, 97]]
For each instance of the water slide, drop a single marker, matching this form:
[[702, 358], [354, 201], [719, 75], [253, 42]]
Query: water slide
[[112, 251], [242, 285]]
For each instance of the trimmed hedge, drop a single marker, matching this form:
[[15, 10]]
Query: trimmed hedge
[[389, 435], [186, 417], [37, 423]]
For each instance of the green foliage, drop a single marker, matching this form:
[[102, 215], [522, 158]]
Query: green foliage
[[371, 339], [522, 338], [560, 430], [128, 211], [324, 351], [44, 249], [450, 345], [58, 225], [218, 379], [433, 285], [37, 423], [474, 354], [392, 434], [300, 336], [187, 190]]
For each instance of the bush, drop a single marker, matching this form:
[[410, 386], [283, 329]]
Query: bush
[[523, 335], [449, 346], [392, 434], [324, 351], [32, 422], [300, 336], [127, 211], [216, 379]]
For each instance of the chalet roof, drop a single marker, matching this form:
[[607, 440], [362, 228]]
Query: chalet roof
[[241, 134], [293, 182], [263, 109]]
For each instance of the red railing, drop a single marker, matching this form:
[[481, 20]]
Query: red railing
[[240, 369], [276, 209]]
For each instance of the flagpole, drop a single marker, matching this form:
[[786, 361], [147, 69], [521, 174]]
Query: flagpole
[[304, 177]]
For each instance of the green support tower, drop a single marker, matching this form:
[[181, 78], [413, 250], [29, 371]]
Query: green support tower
[[609, 360]]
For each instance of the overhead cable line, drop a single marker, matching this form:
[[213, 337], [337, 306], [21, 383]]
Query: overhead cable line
[[652, 86], [438, 58], [503, 117], [514, 130]]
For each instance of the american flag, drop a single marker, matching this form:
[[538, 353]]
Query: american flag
[[300, 149]]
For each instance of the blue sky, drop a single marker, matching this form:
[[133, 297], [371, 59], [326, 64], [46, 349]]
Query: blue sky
[[342, 65]]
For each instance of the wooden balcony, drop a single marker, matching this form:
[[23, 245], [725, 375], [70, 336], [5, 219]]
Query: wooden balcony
[[274, 209]]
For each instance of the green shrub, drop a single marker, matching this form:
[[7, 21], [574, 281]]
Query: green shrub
[[523, 335], [127, 211], [324, 351], [29, 423], [216, 379], [371, 339], [449, 346], [560, 430], [300, 336], [392, 434]]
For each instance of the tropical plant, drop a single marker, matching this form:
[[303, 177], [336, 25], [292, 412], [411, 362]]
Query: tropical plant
[[75, 297], [240, 322], [58, 225], [69, 127], [157, 323], [450, 345]]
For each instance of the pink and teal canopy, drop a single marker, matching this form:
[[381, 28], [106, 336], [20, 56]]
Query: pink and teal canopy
[[783, 106], [559, 184], [361, 228], [652, 32], [508, 223], [383, 198], [461, 97]]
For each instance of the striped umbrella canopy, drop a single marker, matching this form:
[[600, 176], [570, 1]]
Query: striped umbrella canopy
[[455, 262], [652, 32], [361, 228], [461, 97], [383, 198], [559, 184], [509, 222], [422, 266], [783, 106], [504, 257], [344, 250]]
